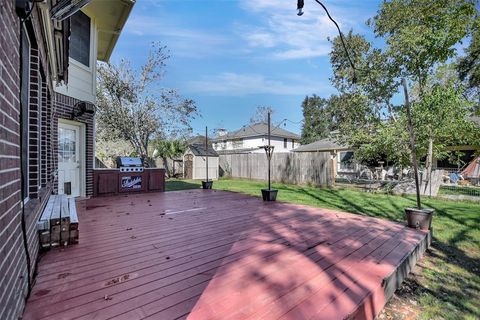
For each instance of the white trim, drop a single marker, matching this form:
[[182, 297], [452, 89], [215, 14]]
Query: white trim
[[48, 31], [82, 150]]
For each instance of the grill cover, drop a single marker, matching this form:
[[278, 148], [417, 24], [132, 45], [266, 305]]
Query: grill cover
[[129, 162]]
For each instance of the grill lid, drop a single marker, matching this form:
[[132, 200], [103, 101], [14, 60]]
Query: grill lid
[[129, 162]]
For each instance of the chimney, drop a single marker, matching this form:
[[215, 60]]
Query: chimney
[[220, 132]]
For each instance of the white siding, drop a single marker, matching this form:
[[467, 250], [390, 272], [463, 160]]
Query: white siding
[[255, 143], [81, 79]]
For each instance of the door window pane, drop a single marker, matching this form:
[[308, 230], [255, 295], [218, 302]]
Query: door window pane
[[67, 143]]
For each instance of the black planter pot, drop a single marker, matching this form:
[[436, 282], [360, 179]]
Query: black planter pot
[[269, 194], [207, 184], [419, 218]]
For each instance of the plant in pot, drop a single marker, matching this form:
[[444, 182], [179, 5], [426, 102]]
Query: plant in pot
[[269, 194], [417, 217], [207, 184]]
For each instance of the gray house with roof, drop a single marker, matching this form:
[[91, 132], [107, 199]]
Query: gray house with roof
[[340, 155], [252, 138]]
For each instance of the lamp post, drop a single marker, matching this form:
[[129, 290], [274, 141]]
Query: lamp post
[[269, 194], [206, 184]]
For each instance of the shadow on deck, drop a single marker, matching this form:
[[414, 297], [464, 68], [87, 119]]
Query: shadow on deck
[[202, 254]]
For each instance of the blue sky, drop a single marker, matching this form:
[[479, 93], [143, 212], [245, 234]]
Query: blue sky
[[232, 56]]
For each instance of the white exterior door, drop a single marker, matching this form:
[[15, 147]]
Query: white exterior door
[[69, 159]]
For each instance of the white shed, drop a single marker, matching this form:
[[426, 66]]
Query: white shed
[[194, 163]]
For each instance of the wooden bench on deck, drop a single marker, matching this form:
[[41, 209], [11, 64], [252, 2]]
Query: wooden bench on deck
[[58, 224]]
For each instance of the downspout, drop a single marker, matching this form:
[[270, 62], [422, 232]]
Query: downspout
[[22, 180]]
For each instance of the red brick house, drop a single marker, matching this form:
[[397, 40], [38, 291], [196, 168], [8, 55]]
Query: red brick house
[[47, 102]]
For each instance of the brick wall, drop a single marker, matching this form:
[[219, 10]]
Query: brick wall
[[63, 106], [12, 258], [45, 108]]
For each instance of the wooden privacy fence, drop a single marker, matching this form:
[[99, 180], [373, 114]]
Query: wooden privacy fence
[[313, 168]]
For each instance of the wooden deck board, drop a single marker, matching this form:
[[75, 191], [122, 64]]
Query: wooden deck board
[[219, 255]]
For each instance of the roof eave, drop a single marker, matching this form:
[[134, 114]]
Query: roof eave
[[94, 10]]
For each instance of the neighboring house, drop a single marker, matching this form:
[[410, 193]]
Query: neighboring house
[[341, 155], [195, 162], [47, 96], [252, 138]]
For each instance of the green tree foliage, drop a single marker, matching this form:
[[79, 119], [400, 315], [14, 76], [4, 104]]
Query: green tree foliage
[[374, 77], [132, 106], [318, 119], [168, 150], [468, 66], [419, 36]]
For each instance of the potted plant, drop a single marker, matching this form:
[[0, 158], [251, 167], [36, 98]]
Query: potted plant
[[269, 194], [418, 217], [208, 184]]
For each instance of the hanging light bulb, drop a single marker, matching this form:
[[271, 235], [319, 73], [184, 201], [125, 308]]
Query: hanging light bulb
[[300, 4]]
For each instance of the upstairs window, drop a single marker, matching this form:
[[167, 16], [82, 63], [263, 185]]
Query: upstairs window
[[80, 38]]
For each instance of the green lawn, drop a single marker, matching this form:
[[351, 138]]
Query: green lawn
[[444, 285]]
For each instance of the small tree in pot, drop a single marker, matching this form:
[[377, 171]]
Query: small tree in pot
[[417, 217]]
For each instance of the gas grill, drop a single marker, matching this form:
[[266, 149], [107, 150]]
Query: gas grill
[[129, 164]]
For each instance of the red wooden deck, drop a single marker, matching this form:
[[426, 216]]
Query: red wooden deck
[[219, 255]]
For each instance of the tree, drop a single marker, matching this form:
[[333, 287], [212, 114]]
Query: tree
[[261, 114], [168, 149], [132, 107], [318, 119], [419, 35], [468, 66], [374, 76]]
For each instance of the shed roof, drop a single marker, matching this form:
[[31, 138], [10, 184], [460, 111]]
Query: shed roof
[[326, 144], [199, 150], [258, 129]]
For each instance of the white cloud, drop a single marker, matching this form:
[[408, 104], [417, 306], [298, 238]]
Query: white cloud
[[235, 84], [289, 36], [183, 41]]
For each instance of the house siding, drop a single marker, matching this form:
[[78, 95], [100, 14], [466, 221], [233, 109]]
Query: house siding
[[45, 108], [253, 143]]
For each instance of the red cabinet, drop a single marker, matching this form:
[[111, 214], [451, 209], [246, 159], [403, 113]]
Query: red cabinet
[[112, 181]]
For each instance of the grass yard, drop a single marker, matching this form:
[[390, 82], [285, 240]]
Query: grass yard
[[443, 285]]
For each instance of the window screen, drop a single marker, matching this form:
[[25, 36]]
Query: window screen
[[80, 38]]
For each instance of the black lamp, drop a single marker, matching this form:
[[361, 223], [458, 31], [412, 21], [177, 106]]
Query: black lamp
[[82, 107], [300, 4]]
